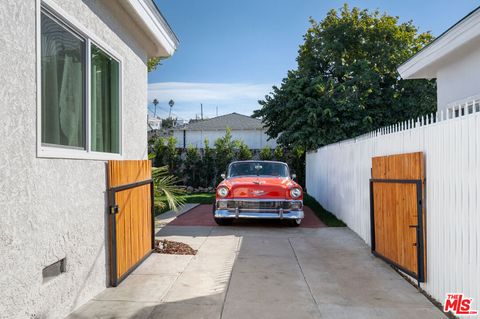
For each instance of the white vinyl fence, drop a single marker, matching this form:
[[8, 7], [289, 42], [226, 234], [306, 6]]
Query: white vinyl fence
[[338, 177]]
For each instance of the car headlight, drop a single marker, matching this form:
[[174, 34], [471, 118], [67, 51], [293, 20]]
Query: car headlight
[[222, 191], [295, 192]]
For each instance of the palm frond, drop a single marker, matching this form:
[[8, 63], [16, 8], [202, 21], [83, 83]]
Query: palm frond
[[167, 185]]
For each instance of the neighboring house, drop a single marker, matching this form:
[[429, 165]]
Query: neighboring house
[[454, 60], [249, 130], [154, 123], [77, 71]]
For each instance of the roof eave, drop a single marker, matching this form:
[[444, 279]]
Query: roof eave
[[148, 17], [424, 64]]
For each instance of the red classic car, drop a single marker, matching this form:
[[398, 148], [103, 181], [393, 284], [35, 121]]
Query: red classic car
[[260, 190]]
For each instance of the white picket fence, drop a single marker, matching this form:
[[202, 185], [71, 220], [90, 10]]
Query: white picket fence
[[338, 177]]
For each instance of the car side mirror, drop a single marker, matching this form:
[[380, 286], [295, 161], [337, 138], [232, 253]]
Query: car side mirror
[[222, 175], [294, 176]]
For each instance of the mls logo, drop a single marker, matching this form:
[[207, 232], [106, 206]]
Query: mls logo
[[458, 305]]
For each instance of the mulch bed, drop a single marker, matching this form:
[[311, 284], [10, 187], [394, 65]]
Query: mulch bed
[[173, 248]]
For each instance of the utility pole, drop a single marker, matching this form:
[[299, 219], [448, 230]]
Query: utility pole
[[201, 111]]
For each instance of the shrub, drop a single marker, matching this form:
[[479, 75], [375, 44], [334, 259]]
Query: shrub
[[208, 165], [243, 153], [266, 154], [224, 151], [192, 167]]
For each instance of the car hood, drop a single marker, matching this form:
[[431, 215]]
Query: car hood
[[259, 187]]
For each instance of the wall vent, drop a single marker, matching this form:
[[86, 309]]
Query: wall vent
[[55, 269]]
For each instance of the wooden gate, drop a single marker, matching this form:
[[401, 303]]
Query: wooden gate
[[131, 222], [397, 216]]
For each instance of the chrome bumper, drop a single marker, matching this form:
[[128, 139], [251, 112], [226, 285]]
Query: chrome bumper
[[294, 214]]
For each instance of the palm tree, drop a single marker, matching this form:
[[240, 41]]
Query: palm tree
[[166, 185], [171, 103], [155, 102]]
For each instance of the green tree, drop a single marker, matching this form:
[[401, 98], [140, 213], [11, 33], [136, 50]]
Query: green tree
[[172, 158], [243, 151], [224, 151], [159, 150], [266, 154], [278, 153], [346, 82], [191, 166], [208, 165]]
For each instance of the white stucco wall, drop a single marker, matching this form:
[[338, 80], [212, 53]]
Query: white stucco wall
[[254, 139], [457, 76], [55, 208]]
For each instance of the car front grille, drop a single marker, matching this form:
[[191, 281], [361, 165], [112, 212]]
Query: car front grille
[[259, 206]]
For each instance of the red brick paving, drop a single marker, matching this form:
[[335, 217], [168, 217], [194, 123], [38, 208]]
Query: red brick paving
[[202, 216]]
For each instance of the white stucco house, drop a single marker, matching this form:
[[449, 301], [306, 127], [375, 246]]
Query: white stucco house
[[75, 70], [453, 59], [249, 130]]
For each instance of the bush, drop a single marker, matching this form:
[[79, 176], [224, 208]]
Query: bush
[[224, 152], [243, 153], [208, 166], [266, 154], [192, 167]]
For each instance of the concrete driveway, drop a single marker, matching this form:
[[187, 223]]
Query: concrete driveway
[[262, 272]]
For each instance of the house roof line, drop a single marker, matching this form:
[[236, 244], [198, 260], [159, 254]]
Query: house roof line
[[412, 68], [234, 121]]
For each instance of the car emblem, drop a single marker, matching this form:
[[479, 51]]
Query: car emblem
[[258, 192]]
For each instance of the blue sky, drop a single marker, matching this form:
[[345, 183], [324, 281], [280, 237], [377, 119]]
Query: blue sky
[[231, 52]]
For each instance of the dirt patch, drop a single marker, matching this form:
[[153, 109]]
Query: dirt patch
[[173, 248]]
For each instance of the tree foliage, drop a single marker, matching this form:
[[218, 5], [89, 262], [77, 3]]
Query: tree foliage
[[224, 151], [346, 82], [265, 153], [243, 152], [192, 166], [153, 63]]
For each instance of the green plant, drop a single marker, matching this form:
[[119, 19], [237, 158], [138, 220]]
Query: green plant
[[171, 155], [243, 152], [192, 166], [165, 185], [208, 165], [325, 216], [278, 154], [224, 151], [266, 153]]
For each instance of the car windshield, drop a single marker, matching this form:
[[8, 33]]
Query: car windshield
[[257, 169]]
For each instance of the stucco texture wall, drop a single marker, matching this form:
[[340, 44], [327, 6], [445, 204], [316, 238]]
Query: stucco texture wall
[[457, 78], [56, 208]]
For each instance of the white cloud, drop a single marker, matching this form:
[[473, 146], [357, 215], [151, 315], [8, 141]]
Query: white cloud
[[224, 97], [205, 92]]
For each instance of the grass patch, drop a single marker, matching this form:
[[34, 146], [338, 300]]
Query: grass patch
[[325, 216], [161, 205]]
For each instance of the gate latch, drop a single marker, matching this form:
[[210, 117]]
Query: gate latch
[[114, 210]]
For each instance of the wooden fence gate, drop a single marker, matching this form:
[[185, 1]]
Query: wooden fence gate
[[397, 214], [131, 217]]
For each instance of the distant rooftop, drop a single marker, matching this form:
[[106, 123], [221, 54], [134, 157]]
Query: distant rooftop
[[233, 121]]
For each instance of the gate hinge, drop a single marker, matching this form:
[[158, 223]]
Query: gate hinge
[[114, 210]]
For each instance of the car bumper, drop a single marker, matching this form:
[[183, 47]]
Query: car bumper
[[293, 214]]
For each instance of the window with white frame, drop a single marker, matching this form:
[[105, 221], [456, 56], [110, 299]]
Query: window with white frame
[[80, 91]]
